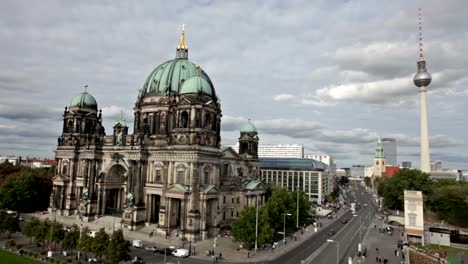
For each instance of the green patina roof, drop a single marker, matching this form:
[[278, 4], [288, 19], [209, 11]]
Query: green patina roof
[[379, 151], [208, 188], [249, 128], [180, 187], [196, 84], [252, 185], [121, 120], [169, 77], [84, 99]]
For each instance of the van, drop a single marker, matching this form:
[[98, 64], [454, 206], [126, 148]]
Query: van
[[137, 243], [181, 253]]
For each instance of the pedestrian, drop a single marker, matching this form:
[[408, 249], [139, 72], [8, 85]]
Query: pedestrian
[[377, 250], [220, 255], [385, 261], [376, 259], [248, 254], [395, 252]]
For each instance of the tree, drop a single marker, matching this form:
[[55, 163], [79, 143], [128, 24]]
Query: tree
[[27, 192], [243, 229], [41, 232], [118, 249], [56, 232], [8, 223], [367, 181], [30, 226], [86, 242], [392, 188], [451, 203], [278, 204], [344, 180], [71, 238], [100, 243], [266, 233]]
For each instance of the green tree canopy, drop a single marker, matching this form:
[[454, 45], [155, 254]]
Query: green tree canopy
[[392, 188], [243, 229], [451, 203], [42, 231], [30, 226], [8, 223], [86, 242], [27, 192], [100, 243], [118, 249], [71, 238]]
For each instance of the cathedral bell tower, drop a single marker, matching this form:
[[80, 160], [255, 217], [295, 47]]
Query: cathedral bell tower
[[82, 122], [120, 131], [248, 141]]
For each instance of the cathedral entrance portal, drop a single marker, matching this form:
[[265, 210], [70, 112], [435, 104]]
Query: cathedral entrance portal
[[153, 207], [111, 192], [174, 212]]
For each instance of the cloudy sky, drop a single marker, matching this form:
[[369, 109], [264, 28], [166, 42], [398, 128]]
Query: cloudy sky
[[330, 75]]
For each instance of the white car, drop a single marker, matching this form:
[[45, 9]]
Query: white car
[[92, 234], [181, 253]]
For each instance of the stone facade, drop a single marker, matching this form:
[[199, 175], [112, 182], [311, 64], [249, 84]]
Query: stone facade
[[171, 172]]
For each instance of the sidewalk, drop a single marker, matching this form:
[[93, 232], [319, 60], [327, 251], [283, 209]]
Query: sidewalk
[[224, 245]]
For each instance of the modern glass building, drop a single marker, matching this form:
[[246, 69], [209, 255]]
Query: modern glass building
[[390, 151], [311, 176]]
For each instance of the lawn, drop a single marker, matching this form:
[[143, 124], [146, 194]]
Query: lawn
[[451, 251], [10, 258]]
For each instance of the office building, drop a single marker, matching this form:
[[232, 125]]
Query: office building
[[390, 149], [327, 159], [406, 164], [436, 165], [308, 175]]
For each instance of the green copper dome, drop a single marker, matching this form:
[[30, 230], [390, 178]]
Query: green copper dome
[[196, 84], [84, 99], [169, 78], [249, 128]]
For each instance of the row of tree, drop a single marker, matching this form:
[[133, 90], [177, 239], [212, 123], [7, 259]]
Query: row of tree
[[271, 216], [114, 248], [24, 189], [448, 198]]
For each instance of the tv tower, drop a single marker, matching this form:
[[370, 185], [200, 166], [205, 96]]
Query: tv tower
[[422, 79]]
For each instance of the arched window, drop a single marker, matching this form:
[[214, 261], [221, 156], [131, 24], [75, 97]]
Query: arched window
[[180, 176], [157, 175], [65, 167], [184, 118], [226, 170], [208, 120], [206, 175]]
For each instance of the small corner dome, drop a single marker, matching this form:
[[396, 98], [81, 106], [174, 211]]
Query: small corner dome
[[248, 128], [83, 100], [197, 84]]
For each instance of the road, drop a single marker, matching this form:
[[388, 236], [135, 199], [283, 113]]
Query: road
[[314, 249], [349, 237]]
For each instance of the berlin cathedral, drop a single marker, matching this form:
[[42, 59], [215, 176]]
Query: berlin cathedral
[[172, 172]]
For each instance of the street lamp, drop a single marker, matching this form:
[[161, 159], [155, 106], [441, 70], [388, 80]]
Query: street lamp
[[284, 227], [337, 249], [256, 223]]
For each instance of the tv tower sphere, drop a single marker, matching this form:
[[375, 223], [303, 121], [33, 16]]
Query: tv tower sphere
[[422, 78]]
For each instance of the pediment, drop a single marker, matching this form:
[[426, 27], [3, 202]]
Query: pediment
[[210, 189], [230, 153], [176, 189], [60, 178]]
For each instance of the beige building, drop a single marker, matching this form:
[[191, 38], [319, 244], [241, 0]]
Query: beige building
[[171, 172], [414, 216]]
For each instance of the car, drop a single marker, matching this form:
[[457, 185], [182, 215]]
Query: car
[[331, 233], [137, 260], [92, 233], [181, 253], [344, 221], [137, 243], [92, 260], [21, 218], [165, 251], [151, 248]]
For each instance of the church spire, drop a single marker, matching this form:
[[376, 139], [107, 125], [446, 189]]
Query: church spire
[[182, 49], [379, 151]]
